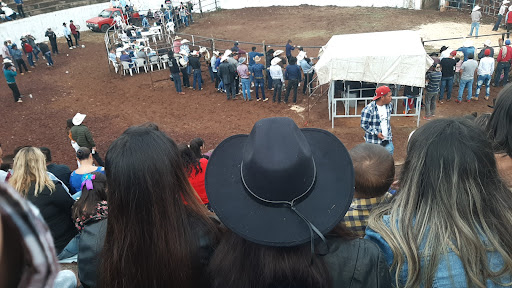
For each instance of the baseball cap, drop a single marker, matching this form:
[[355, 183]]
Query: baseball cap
[[487, 52], [453, 53], [507, 42], [381, 91]]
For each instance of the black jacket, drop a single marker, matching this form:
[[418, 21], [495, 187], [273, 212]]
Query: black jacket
[[173, 65], [60, 171], [51, 35], [55, 207], [89, 247], [43, 47], [226, 72], [356, 263], [194, 63]]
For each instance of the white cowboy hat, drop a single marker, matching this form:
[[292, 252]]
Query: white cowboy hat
[[506, 2], [275, 61], [78, 119], [217, 53], [202, 49], [468, 43], [278, 52], [301, 55], [257, 58], [184, 41], [7, 60], [228, 52], [223, 58], [184, 53], [487, 42], [476, 8], [194, 53]]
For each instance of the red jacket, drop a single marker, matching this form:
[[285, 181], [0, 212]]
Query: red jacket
[[509, 19], [508, 57], [73, 28], [197, 181]]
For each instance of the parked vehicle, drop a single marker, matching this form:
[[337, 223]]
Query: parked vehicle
[[106, 19]]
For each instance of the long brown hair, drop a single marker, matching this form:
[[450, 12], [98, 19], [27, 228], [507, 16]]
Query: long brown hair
[[240, 263], [151, 238]]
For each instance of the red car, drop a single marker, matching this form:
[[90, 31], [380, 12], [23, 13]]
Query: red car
[[106, 19]]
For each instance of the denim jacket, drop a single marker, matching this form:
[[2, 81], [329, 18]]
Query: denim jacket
[[450, 272]]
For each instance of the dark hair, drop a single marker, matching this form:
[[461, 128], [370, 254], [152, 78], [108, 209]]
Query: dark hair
[[69, 123], [293, 60], [471, 56], [190, 161], [47, 153], [150, 239], [151, 125], [195, 146], [374, 170], [483, 120], [86, 205], [253, 48], [83, 153], [240, 263], [500, 124], [289, 41]]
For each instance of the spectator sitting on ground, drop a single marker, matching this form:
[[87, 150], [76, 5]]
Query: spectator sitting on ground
[[84, 156], [450, 220], [374, 168], [155, 214], [500, 133], [30, 179], [62, 172], [90, 215], [292, 187]]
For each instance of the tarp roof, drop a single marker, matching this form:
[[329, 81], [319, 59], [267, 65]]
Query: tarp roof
[[394, 57]]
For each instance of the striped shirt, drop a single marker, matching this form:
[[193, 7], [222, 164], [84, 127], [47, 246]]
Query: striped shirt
[[434, 78]]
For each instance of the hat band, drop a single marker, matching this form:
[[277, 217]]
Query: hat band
[[291, 204]]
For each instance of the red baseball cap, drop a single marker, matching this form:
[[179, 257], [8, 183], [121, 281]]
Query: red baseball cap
[[381, 91], [487, 52], [453, 53]]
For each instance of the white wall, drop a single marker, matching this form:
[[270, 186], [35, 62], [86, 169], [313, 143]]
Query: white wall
[[237, 4], [37, 25]]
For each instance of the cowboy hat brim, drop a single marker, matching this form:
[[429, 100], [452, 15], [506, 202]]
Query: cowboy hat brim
[[277, 225]]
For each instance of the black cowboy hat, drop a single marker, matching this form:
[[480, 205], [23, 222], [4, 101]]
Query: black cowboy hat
[[278, 184]]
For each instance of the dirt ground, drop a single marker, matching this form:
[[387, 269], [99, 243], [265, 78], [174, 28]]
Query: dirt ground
[[81, 82]]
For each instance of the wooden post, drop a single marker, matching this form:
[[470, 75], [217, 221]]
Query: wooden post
[[216, 7], [200, 8], [265, 80], [213, 45]]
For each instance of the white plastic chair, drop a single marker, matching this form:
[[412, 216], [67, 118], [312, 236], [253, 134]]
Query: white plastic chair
[[127, 66], [164, 59], [116, 65], [154, 60], [139, 62]]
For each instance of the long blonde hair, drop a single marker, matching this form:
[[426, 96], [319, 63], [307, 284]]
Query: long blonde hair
[[451, 198], [30, 166]]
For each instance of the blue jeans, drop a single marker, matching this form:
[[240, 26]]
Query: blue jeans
[[448, 83], [197, 79], [497, 25], [259, 83], [278, 86], [177, 82], [463, 84], [474, 25], [186, 21], [230, 89], [210, 70], [246, 88], [36, 52], [30, 59], [221, 85], [390, 147], [483, 80], [71, 249], [48, 56], [502, 66]]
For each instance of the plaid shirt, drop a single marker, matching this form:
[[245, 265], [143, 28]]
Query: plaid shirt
[[370, 122], [357, 215]]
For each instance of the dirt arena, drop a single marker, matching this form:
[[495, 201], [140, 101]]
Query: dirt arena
[[81, 82]]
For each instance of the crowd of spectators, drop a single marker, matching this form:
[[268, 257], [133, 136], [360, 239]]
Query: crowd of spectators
[[306, 211]]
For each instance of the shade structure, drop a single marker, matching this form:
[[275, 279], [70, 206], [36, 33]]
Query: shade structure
[[393, 57]]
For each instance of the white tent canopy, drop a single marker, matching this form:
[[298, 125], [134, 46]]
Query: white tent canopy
[[394, 57]]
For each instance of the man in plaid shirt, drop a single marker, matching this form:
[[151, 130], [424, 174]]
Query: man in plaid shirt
[[375, 119], [374, 170]]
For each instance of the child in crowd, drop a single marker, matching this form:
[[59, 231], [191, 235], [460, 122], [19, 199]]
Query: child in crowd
[[374, 169]]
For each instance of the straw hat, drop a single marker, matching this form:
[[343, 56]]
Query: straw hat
[[177, 37], [278, 52], [476, 8], [257, 59], [184, 41], [275, 61], [217, 53]]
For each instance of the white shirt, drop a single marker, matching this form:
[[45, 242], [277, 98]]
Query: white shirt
[[5, 52], [486, 66], [276, 72], [384, 120], [445, 54], [503, 8], [3, 174]]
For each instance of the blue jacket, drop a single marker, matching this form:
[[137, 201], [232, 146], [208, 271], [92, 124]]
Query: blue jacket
[[9, 75], [293, 72], [257, 70], [18, 1], [253, 54], [16, 54], [450, 267]]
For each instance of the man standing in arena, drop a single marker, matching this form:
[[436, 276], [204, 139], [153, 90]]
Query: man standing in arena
[[375, 119], [53, 40]]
